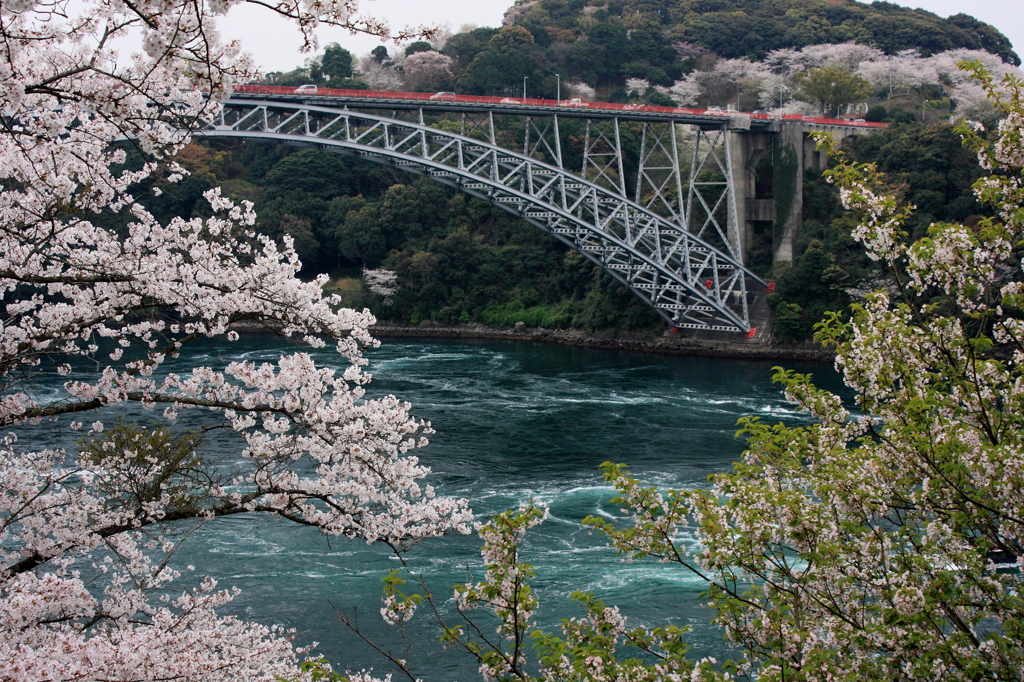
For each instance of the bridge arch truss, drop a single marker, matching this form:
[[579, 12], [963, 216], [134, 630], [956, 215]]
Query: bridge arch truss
[[690, 282]]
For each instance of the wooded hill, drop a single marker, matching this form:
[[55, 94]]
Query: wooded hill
[[623, 36], [604, 42]]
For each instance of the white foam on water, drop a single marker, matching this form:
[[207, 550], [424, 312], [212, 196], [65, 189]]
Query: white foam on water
[[628, 575]]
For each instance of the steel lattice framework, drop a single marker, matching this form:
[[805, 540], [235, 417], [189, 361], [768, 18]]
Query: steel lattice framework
[[690, 282]]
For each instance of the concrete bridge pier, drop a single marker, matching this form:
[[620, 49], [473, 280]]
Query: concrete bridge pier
[[788, 187], [795, 152], [746, 149]]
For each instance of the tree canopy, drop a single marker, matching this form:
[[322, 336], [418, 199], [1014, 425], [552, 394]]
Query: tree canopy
[[336, 62], [832, 88]]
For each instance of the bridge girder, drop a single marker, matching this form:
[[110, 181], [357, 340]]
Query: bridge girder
[[690, 282]]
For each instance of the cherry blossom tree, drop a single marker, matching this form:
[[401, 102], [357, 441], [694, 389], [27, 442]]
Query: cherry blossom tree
[[637, 86], [969, 96], [581, 90], [428, 68], [865, 546], [724, 82], [685, 92], [899, 72], [790, 61], [773, 91], [383, 283], [381, 75], [736, 76], [98, 295]]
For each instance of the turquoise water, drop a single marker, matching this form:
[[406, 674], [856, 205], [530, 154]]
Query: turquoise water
[[513, 421]]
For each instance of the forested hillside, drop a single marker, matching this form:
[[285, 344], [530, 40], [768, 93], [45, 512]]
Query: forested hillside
[[602, 43], [459, 259], [747, 28]]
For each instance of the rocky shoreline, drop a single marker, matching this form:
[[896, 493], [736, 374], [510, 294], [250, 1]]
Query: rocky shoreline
[[642, 341]]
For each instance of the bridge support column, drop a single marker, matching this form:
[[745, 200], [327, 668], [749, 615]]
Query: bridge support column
[[737, 193], [746, 148], [795, 153], [788, 184]]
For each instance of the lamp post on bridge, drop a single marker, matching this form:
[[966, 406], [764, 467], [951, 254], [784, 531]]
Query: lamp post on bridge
[[524, 86], [558, 87]]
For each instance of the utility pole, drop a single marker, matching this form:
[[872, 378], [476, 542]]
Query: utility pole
[[890, 76]]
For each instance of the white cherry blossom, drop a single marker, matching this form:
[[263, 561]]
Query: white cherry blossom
[[91, 279]]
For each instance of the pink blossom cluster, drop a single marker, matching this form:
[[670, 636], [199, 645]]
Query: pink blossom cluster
[[99, 292], [426, 69], [382, 282]]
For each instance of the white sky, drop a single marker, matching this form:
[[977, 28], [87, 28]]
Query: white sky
[[276, 47]]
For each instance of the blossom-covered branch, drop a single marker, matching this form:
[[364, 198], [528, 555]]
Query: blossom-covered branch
[[91, 279]]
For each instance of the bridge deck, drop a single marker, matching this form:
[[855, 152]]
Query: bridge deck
[[519, 106]]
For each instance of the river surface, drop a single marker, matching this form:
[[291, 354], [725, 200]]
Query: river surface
[[513, 421]]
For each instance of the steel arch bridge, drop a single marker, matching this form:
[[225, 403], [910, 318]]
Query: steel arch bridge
[[687, 280]]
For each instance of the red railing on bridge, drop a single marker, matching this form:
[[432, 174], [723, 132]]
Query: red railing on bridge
[[533, 102]]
